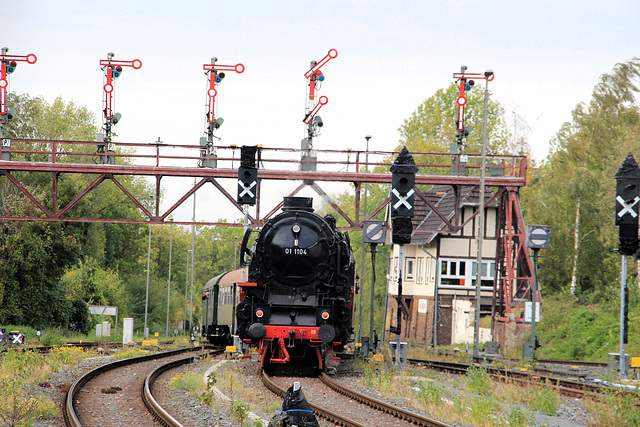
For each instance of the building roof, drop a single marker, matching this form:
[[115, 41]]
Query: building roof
[[427, 224]]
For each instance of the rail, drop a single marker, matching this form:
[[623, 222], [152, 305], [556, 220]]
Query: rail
[[400, 413], [150, 402], [68, 410], [318, 410]]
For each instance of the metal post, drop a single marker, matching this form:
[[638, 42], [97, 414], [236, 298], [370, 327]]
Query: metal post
[[169, 285], [186, 291], [364, 216], [623, 292], [476, 327], [399, 313], [373, 247], [386, 297], [534, 292], [146, 301], [245, 208], [235, 252], [193, 255]]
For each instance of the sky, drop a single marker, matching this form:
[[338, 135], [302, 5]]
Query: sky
[[546, 55]]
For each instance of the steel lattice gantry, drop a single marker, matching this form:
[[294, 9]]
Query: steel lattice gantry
[[506, 175]]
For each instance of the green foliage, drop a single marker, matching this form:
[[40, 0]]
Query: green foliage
[[585, 332], [79, 320], [481, 411], [89, 282], [612, 408], [37, 119], [432, 126], [573, 191], [32, 258], [240, 413], [18, 370], [188, 381], [520, 418], [212, 379], [545, 400], [430, 393], [479, 381]]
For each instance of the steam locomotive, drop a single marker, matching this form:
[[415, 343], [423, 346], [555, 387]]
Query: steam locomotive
[[296, 304]]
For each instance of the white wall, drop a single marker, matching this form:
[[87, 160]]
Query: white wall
[[463, 324]]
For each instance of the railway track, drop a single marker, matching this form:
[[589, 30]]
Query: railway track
[[124, 395], [343, 406], [566, 386]]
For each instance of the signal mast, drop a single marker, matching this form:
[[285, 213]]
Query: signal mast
[[215, 74], [112, 70], [8, 64], [313, 122], [466, 82]]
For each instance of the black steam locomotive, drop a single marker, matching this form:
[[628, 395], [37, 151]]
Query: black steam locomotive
[[296, 302]]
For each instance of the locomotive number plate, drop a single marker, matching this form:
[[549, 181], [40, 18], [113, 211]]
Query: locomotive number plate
[[296, 251]]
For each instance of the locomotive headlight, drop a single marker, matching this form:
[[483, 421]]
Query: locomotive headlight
[[259, 313], [325, 315], [296, 232]]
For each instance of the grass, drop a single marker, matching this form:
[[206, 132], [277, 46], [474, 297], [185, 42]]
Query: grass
[[188, 381], [613, 408], [20, 372], [473, 399]]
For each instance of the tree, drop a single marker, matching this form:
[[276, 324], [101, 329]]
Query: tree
[[574, 189], [34, 256], [432, 126]]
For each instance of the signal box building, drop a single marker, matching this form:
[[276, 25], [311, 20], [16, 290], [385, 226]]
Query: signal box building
[[439, 271]]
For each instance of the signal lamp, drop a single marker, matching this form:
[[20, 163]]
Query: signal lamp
[[469, 85], [259, 313], [218, 122], [116, 118], [325, 315]]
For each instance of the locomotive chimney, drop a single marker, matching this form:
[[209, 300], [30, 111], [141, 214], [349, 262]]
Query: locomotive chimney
[[298, 204]]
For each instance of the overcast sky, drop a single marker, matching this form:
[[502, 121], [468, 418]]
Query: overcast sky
[[546, 55]]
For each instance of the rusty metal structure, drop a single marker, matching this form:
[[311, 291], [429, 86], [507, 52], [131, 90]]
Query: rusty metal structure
[[283, 166]]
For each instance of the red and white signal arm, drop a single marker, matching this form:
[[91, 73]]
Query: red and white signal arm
[[538, 237]]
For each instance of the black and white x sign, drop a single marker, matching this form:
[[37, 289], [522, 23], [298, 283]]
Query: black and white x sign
[[402, 200], [245, 190], [628, 208], [17, 338]]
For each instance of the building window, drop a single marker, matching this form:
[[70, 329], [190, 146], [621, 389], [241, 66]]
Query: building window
[[487, 273], [454, 272], [419, 270], [409, 266]]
